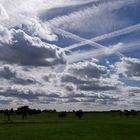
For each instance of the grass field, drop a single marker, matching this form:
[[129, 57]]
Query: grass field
[[93, 126]]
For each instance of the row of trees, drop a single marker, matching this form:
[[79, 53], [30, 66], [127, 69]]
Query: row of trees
[[127, 113], [78, 114], [23, 111]]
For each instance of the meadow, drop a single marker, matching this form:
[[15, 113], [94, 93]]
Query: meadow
[[92, 126]]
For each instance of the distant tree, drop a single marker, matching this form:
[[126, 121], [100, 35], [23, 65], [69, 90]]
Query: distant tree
[[120, 113], [34, 111], [23, 111], [79, 114], [62, 114], [1, 111], [49, 110], [133, 112], [127, 113], [9, 113]]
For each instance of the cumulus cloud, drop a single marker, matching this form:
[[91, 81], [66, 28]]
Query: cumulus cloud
[[87, 69], [26, 50], [129, 67], [68, 87], [23, 40], [8, 73], [35, 28], [5, 36], [89, 76]]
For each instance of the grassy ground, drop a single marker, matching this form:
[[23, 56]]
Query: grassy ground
[[93, 126]]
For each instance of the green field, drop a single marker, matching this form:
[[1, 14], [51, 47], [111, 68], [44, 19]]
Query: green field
[[93, 126]]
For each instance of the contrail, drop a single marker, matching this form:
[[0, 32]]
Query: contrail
[[78, 56], [76, 37], [106, 36]]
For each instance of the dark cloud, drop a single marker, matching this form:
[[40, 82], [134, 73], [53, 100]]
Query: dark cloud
[[72, 100], [5, 101], [72, 79], [101, 98], [30, 51], [89, 76], [87, 69], [6, 72], [96, 87], [129, 67], [89, 84], [29, 95]]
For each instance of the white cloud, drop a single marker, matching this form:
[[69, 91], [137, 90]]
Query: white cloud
[[34, 28], [129, 67], [87, 69], [98, 18], [31, 66], [5, 36], [81, 83], [89, 76], [26, 50], [3, 13]]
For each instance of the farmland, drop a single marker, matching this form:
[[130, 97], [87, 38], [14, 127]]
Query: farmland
[[92, 126]]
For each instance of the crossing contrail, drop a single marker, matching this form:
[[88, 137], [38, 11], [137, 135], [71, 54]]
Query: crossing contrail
[[78, 38], [78, 56], [106, 36]]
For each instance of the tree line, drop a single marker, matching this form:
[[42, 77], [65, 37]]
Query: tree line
[[24, 111]]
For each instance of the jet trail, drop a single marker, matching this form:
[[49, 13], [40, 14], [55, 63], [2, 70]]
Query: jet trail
[[106, 36], [78, 56], [76, 37]]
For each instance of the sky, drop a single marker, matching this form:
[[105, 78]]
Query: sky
[[70, 54]]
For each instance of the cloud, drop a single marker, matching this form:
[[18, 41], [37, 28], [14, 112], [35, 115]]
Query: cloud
[[126, 30], [77, 20], [81, 83], [8, 73], [23, 40], [3, 13], [5, 36], [27, 50], [65, 9], [133, 90], [35, 28], [89, 76], [118, 49], [129, 67], [76, 84], [27, 95], [34, 69], [87, 69]]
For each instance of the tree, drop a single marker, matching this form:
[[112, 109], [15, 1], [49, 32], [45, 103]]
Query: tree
[[127, 113], [8, 113], [62, 114], [133, 112], [23, 110], [79, 114]]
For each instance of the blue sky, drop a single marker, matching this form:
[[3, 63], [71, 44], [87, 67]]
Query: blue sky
[[70, 54]]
